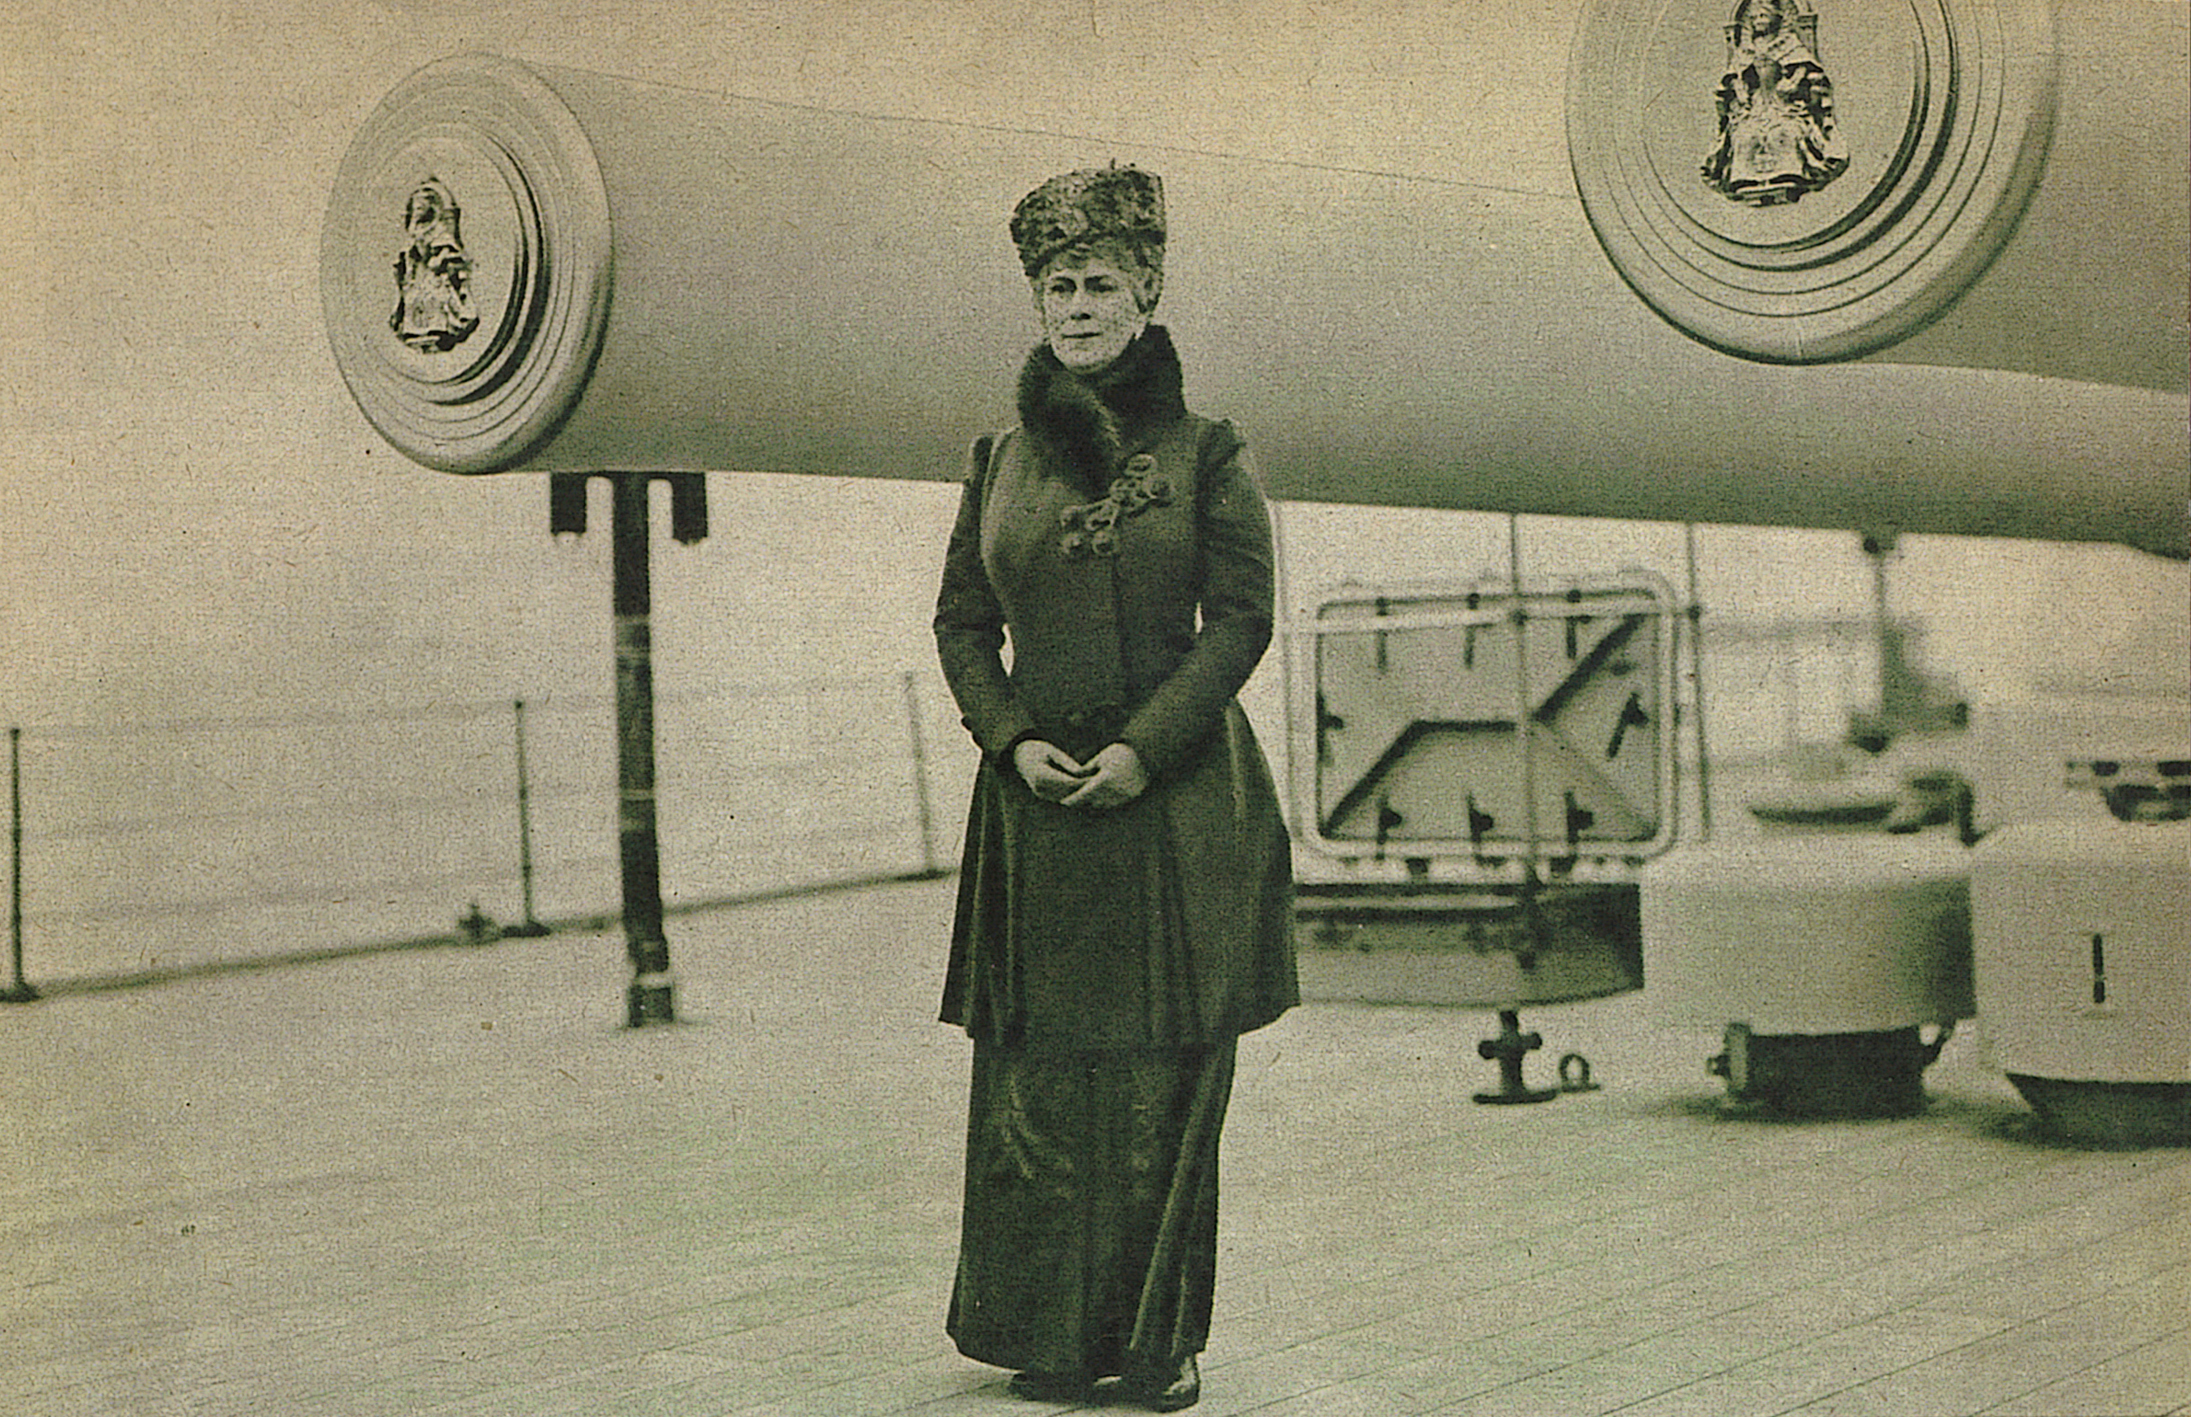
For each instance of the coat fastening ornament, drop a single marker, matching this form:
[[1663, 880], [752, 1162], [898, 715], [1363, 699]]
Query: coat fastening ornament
[[1091, 529]]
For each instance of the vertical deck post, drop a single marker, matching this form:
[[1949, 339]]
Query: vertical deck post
[[920, 775], [1524, 733], [1696, 690], [18, 990], [651, 996], [531, 926]]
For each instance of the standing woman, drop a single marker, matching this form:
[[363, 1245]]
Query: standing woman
[[1125, 906]]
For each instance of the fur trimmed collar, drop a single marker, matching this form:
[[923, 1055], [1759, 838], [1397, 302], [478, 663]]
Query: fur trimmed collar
[[1083, 428]]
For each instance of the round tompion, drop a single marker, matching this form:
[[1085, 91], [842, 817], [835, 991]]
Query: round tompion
[[1879, 164], [466, 264]]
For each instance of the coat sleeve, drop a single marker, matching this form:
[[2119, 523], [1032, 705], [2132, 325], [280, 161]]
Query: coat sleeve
[[969, 626], [1238, 589]]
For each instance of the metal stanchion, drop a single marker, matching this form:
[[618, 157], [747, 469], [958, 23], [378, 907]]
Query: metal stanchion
[[914, 736], [651, 995], [531, 927], [19, 990], [1696, 690]]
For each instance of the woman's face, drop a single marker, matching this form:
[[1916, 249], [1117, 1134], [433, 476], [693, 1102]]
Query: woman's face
[[1089, 313]]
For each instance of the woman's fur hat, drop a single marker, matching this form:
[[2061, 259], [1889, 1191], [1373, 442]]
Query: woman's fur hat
[[1094, 204]]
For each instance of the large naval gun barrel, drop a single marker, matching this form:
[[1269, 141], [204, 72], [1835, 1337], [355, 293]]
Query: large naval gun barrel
[[535, 268]]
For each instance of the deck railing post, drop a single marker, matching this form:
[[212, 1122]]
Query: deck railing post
[[920, 775], [1696, 687], [531, 926], [18, 990]]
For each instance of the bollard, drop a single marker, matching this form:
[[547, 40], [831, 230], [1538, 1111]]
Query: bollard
[[1509, 1048]]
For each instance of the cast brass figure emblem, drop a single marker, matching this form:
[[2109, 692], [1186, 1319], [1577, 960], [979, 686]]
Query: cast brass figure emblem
[[1777, 136], [433, 275]]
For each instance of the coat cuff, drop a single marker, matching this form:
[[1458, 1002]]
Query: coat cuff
[[1003, 756]]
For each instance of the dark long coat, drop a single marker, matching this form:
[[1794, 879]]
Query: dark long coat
[[1121, 546]]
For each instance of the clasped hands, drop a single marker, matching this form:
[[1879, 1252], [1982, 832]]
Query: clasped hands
[[1112, 778]]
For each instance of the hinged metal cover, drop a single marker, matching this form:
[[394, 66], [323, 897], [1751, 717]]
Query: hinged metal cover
[[1474, 722]]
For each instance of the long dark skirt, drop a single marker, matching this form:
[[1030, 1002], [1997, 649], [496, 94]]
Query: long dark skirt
[[1089, 1238]]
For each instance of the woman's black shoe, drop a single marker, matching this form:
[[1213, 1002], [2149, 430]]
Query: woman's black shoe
[[1050, 1387], [1182, 1390]]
